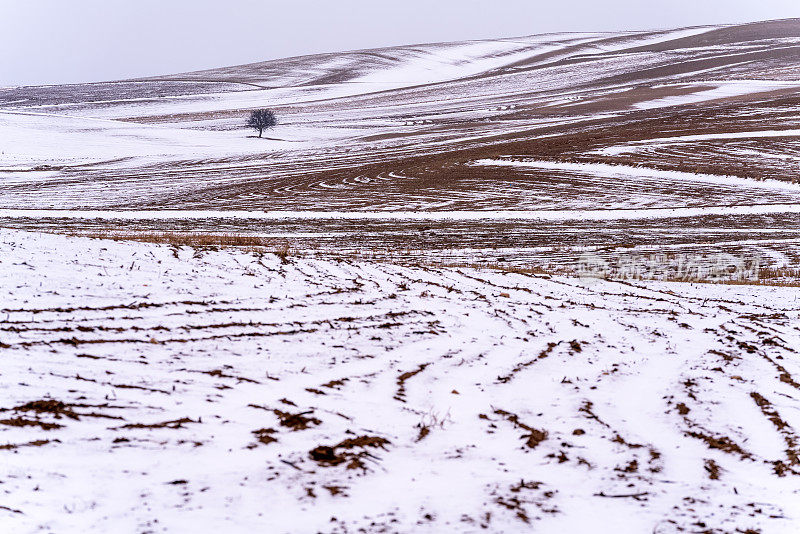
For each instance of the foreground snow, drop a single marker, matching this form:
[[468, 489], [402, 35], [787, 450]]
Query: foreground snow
[[152, 389]]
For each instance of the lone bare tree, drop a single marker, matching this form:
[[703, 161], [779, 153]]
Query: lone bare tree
[[262, 119]]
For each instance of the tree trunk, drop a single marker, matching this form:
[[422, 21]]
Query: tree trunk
[[260, 131]]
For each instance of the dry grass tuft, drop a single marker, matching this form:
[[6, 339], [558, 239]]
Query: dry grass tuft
[[282, 252], [280, 247], [766, 276]]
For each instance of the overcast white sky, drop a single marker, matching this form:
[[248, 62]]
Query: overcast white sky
[[61, 41]]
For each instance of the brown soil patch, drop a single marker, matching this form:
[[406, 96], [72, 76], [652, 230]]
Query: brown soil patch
[[296, 421], [713, 469], [351, 450], [264, 435], [533, 438], [722, 443], [401, 381], [22, 422], [177, 423], [36, 443], [57, 408]]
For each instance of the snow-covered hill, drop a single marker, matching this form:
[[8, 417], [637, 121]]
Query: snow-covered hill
[[415, 364]]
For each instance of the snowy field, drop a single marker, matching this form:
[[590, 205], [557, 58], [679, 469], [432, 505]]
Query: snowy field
[[393, 345], [149, 388]]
